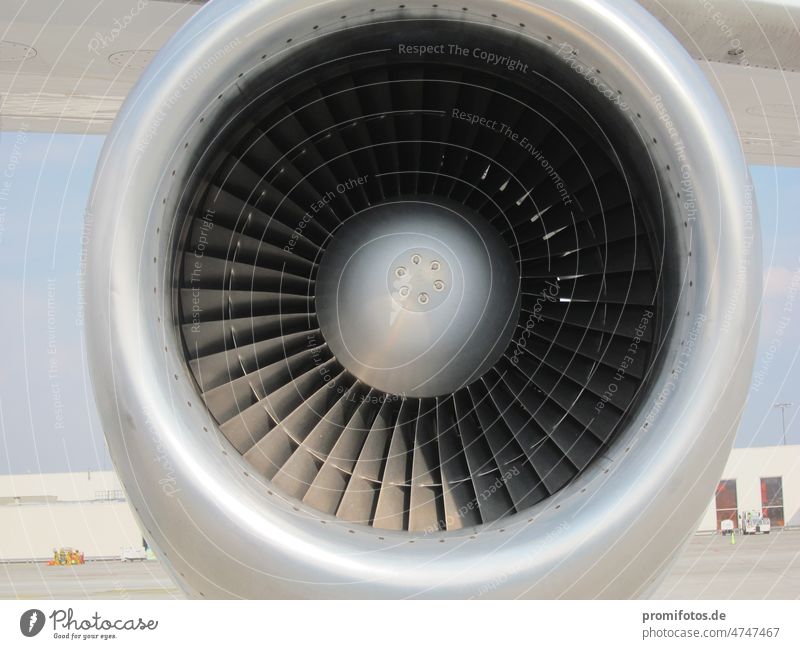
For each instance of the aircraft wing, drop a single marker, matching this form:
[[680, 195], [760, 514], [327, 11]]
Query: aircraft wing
[[67, 67]]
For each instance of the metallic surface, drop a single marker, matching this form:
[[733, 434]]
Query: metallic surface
[[355, 178], [522, 429], [417, 299], [225, 533], [757, 567]]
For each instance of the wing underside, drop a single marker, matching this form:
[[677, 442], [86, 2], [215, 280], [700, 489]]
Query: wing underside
[[67, 68]]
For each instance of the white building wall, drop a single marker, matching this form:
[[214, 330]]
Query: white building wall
[[65, 486], [98, 529], [747, 466], [73, 510], [82, 510]]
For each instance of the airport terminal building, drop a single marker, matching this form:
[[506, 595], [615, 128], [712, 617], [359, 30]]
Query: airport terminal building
[[87, 511]]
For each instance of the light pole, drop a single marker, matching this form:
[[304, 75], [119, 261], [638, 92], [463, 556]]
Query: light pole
[[783, 407]]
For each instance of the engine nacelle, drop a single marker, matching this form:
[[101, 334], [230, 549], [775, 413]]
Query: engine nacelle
[[433, 300]]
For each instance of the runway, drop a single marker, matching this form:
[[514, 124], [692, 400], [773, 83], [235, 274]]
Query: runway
[[756, 567]]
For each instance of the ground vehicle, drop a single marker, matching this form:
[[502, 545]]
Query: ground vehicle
[[754, 522], [66, 557], [131, 553], [726, 527]]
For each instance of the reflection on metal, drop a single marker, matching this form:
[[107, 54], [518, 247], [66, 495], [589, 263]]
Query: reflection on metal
[[421, 302], [417, 299]]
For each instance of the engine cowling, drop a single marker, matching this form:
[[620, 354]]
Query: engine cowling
[[435, 300]]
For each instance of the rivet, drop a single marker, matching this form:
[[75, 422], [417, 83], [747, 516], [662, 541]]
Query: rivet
[[423, 298]]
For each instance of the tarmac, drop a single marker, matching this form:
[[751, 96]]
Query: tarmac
[[92, 580], [755, 567], [763, 566]]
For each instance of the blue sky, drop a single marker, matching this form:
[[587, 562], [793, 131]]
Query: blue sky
[[48, 419], [47, 415], [778, 196]]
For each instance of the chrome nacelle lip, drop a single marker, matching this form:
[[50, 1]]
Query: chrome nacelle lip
[[223, 531]]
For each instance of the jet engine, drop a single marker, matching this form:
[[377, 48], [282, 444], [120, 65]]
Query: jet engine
[[421, 300]]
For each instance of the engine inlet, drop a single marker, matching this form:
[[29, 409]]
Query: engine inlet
[[420, 274]]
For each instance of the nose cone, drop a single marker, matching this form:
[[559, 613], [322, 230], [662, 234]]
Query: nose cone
[[416, 298]]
